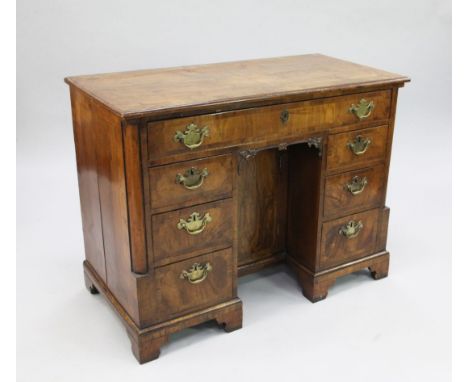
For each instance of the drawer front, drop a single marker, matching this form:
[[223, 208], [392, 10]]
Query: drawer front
[[196, 283], [356, 148], [341, 242], [189, 183], [192, 231], [355, 190], [189, 136]]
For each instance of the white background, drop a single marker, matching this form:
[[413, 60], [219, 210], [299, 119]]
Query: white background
[[393, 329]]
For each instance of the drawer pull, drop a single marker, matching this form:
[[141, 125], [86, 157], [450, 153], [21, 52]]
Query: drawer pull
[[357, 185], [192, 178], [351, 229], [192, 137], [195, 224], [197, 273], [363, 109], [359, 145]]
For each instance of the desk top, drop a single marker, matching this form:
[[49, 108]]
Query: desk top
[[230, 85]]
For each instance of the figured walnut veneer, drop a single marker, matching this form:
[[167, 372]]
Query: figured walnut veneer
[[192, 176]]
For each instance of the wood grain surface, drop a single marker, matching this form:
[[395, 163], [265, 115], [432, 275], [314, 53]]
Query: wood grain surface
[[148, 92], [261, 125], [276, 161]]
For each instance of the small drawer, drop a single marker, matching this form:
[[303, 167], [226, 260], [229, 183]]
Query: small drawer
[[192, 231], [196, 283], [348, 238], [356, 148], [353, 191], [190, 137], [188, 183]]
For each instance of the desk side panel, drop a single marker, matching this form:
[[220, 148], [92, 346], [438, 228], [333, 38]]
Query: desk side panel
[[108, 203], [85, 148], [304, 204]]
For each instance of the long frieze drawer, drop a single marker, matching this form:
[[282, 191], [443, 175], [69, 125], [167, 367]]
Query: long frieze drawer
[[169, 138], [192, 182], [348, 238], [356, 148], [354, 190], [196, 283], [192, 231]]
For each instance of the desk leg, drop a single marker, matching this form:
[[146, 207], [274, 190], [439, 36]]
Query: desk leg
[[231, 320], [315, 285], [379, 269], [89, 284], [146, 347], [316, 288]]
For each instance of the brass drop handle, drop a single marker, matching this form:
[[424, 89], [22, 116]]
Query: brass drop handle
[[359, 145], [195, 224], [351, 229], [356, 185], [197, 273], [193, 136], [192, 178], [363, 109]]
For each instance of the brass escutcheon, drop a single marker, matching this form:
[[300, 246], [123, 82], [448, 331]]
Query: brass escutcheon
[[363, 109], [284, 116], [359, 145], [193, 136], [197, 273], [357, 185], [351, 229], [192, 178], [195, 224]]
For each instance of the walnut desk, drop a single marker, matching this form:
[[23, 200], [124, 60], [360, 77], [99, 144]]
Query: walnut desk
[[192, 176]]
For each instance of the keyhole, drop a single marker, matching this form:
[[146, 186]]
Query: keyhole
[[284, 116]]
